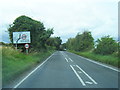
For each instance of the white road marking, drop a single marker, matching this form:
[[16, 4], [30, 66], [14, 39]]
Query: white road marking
[[78, 76], [87, 75], [71, 60], [79, 71], [66, 59], [63, 54], [88, 82], [100, 64], [32, 72]]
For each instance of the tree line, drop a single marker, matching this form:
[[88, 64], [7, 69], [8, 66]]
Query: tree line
[[41, 39], [85, 42]]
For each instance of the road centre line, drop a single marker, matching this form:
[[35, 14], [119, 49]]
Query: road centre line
[[67, 56], [87, 75], [80, 79], [64, 56], [33, 71], [71, 60], [66, 59]]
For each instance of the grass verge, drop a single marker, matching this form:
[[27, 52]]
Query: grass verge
[[15, 63], [108, 59]]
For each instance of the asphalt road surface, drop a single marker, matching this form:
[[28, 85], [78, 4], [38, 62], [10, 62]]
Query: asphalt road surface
[[66, 70]]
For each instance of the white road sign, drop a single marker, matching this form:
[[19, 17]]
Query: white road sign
[[21, 37], [27, 46]]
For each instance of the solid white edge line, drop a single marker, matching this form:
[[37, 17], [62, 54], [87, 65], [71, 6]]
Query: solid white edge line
[[32, 72], [80, 79], [100, 64], [66, 59], [87, 75]]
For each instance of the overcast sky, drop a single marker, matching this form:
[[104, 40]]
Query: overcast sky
[[67, 17]]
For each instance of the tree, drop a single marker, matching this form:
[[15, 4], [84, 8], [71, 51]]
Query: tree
[[106, 45], [37, 30], [119, 49], [63, 46], [81, 42], [54, 42]]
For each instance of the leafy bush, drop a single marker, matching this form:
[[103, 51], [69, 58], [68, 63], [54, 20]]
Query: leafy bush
[[81, 42], [15, 63], [38, 33], [106, 45], [108, 59]]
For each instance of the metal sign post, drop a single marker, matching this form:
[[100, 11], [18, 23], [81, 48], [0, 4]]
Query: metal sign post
[[26, 50], [16, 46], [26, 46]]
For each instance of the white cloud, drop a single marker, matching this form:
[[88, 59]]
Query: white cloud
[[68, 17]]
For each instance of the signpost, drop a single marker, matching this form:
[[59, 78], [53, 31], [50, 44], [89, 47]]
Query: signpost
[[21, 38], [27, 46]]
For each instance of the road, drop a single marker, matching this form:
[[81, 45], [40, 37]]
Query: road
[[67, 70]]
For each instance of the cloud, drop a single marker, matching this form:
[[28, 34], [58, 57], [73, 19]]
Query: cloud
[[68, 17]]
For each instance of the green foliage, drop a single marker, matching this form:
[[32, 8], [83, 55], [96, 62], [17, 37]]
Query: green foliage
[[2, 43], [108, 59], [119, 49], [81, 42], [54, 42], [37, 30], [106, 45], [15, 63], [63, 47]]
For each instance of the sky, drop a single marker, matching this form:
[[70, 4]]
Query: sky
[[67, 17]]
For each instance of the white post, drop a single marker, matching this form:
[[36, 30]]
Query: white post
[[26, 50]]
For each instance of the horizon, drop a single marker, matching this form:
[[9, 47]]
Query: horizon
[[66, 17]]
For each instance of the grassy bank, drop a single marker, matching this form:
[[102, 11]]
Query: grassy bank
[[15, 63], [108, 59]]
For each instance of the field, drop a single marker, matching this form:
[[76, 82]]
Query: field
[[15, 63]]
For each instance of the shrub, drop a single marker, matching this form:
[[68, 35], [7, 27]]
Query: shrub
[[106, 45]]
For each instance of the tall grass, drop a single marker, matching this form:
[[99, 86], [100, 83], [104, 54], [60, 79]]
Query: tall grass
[[15, 63], [108, 59]]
